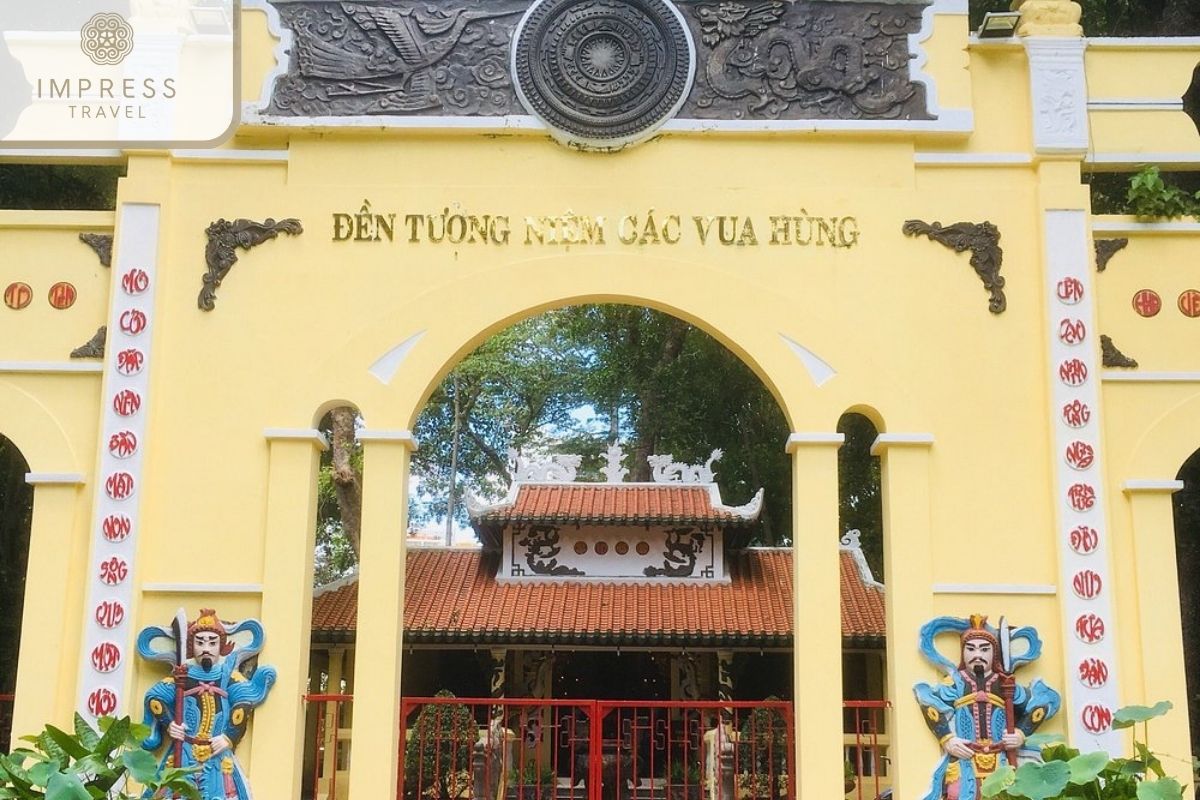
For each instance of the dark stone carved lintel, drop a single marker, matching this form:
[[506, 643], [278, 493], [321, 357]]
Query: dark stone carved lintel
[[224, 239], [102, 243], [982, 239], [1110, 356], [93, 347], [1106, 249]]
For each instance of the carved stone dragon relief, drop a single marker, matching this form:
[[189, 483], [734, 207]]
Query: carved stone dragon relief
[[777, 60], [756, 59]]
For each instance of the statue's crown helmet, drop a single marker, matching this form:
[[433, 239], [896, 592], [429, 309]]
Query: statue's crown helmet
[[979, 629], [208, 621]]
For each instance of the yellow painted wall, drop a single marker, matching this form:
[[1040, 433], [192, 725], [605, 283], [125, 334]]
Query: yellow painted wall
[[300, 320]]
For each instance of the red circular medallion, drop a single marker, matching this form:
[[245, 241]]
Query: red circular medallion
[[1147, 303], [601, 548], [622, 548], [17, 296], [643, 548], [580, 548], [1189, 303], [62, 295]]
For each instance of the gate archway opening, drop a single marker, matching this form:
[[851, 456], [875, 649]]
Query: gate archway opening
[[1187, 556], [16, 518]]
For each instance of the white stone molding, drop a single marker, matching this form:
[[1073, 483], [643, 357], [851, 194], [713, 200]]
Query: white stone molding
[[64, 367], [1135, 104], [750, 510], [996, 588], [612, 470], [284, 47], [1136, 159], [230, 156], [797, 440], [54, 478], [297, 434], [885, 440], [385, 367], [1151, 486], [939, 159], [850, 543], [818, 369], [1145, 43], [1129, 226], [666, 470], [403, 437], [202, 588], [554, 469], [1115, 376], [116, 510], [1058, 93], [1088, 621]]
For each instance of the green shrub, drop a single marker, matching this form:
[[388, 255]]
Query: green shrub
[[88, 765]]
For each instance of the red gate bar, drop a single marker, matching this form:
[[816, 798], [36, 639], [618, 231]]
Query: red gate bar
[[866, 743]]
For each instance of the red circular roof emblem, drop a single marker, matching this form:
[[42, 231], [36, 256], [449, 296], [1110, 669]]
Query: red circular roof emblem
[[1189, 303], [1147, 303], [62, 295], [17, 296]]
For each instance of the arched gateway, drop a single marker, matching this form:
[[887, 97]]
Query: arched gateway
[[876, 210]]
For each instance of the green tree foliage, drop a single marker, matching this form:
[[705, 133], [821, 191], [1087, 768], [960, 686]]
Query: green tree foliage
[[860, 500], [59, 186], [1120, 17]]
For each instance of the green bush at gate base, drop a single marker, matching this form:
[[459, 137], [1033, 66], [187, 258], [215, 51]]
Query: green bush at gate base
[[437, 757], [1067, 773], [89, 764]]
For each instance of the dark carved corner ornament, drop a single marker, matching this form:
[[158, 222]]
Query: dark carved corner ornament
[[982, 239], [1110, 356], [224, 239], [93, 347], [1106, 249], [102, 243], [1191, 98]]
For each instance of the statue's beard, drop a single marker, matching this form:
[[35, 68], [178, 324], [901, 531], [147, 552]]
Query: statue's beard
[[207, 662]]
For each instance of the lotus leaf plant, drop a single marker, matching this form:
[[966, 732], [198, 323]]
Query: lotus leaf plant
[[1068, 773]]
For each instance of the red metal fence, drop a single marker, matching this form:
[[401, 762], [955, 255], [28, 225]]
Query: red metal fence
[[534, 749], [866, 744]]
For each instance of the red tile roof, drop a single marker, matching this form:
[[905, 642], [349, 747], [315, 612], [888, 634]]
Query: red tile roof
[[615, 504], [451, 597]]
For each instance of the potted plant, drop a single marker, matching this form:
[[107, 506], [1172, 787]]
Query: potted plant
[[1067, 773], [762, 754], [437, 756], [850, 777], [89, 763], [535, 782], [683, 780]]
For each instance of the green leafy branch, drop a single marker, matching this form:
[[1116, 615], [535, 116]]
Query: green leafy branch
[[1067, 773], [1150, 197], [89, 764]]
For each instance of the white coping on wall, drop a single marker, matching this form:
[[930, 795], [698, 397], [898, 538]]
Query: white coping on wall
[[401, 437], [1115, 376], [64, 367], [1146, 43], [54, 478], [995, 588], [972, 159], [296, 434], [885, 440], [233, 156], [1151, 485], [797, 440], [1122, 226], [65, 154], [1135, 104], [1139, 159], [202, 588]]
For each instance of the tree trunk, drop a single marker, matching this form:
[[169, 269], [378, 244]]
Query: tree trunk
[[455, 438], [347, 478], [648, 425]]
